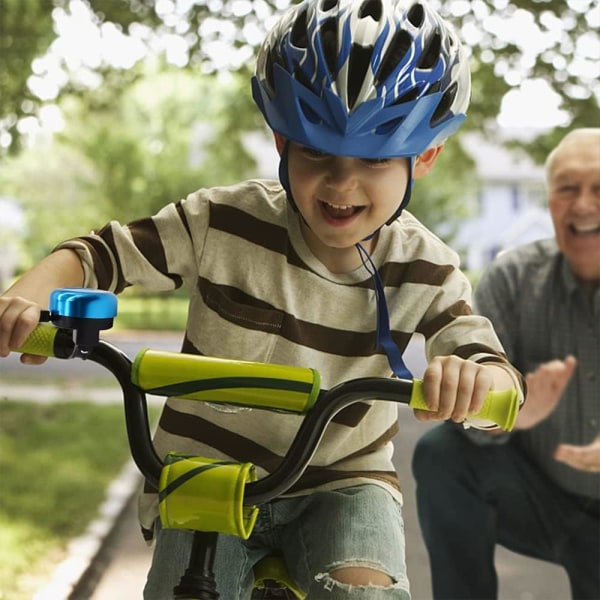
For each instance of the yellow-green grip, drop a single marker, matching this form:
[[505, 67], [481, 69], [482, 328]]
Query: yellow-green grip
[[41, 341], [204, 494], [499, 406], [244, 383]]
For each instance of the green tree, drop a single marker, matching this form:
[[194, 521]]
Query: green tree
[[47, 181], [26, 31], [511, 41], [157, 141]]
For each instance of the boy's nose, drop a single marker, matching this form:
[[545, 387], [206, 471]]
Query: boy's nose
[[342, 174]]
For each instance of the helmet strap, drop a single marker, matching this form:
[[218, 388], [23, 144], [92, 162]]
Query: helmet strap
[[407, 191], [284, 177], [383, 335]]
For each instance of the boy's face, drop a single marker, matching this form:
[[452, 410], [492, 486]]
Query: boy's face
[[344, 200]]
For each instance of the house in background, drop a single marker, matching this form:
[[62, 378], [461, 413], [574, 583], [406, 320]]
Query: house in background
[[511, 201], [512, 208]]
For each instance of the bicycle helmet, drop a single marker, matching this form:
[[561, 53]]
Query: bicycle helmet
[[365, 78]]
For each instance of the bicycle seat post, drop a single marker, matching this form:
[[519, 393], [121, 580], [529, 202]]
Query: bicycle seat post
[[198, 581]]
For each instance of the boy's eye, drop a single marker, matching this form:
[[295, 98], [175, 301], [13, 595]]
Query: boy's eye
[[313, 153], [376, 161]]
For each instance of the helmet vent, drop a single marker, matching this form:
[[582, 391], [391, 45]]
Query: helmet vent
[[431, 51], [445, 104], [327, 5], [329, 43], [416, 15], [358, 63], [309, 113], [387, 128], [371, 8], [298, 35], [398, 47], [409, 96]]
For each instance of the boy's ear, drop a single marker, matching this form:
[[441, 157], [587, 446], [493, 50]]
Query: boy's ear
[[426, 160], [279, 142]]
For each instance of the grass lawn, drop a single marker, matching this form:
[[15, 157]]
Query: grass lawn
[[158, 312], [55, 463]]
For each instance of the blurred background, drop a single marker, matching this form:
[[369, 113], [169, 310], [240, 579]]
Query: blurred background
[[110, 109]]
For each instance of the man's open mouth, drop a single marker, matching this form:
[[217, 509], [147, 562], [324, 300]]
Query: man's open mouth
[[585, 230]]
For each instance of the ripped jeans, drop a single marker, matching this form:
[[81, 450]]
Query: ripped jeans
[[360, 526]]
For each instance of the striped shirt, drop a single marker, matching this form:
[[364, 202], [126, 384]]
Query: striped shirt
[[258, 293], [540, 314]]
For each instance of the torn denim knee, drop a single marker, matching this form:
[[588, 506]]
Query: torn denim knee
[[397, 590]]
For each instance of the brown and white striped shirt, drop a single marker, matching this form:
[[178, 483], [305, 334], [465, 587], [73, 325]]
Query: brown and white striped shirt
[[257, 293]]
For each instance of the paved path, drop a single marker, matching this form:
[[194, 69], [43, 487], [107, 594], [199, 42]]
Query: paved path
[[111, 559]]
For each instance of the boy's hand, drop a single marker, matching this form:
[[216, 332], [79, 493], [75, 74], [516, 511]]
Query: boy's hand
[[454, 387], [18, 318]]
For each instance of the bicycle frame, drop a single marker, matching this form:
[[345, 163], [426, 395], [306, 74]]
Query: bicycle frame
[[198, 582]]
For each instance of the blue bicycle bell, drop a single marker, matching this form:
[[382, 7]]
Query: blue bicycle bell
[[85, 311]]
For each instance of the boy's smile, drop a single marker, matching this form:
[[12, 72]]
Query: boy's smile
[[343, 200], [340, 213]]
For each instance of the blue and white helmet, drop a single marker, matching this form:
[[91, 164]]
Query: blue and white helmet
[[365, 78]]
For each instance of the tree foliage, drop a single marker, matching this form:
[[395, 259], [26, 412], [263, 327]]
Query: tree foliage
[[157, 141], [26, 31], [126, 147], [511, 41]]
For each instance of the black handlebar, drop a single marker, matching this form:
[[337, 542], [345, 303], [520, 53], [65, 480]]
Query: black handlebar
[[301, 450]]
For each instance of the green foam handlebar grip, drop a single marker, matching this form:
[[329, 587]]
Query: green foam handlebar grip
[[499, 406], [217, 380], [47, 340]]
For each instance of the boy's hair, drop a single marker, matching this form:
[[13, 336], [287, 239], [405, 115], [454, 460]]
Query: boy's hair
[[364, 78]]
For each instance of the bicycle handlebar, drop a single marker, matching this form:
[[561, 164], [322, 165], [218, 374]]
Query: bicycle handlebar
[[171, 373]]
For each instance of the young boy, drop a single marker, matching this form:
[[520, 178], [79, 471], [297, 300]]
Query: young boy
[[320, 269]]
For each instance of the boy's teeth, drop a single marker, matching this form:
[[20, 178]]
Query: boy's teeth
[[339, 206]]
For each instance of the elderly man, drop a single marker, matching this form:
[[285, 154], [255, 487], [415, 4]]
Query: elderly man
[[535, 491]]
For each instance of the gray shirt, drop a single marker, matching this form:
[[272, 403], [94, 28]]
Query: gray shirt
[[540, 313]]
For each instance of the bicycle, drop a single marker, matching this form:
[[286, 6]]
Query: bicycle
[[72, 330]]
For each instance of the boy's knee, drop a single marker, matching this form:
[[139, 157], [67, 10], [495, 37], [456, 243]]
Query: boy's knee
[[368, 582], [361, 576]]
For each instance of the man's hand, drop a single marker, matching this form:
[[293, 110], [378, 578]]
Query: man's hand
[[545, 387], [582, 458]]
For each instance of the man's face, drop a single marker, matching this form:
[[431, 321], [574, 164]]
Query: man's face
[[574, 201], [342, 199]]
